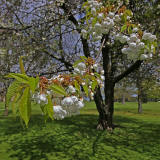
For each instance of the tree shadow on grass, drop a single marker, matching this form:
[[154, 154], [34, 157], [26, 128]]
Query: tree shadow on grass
[[77, 138]]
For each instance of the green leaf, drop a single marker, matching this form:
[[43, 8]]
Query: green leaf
[[14, 102], [129, 30], [36, 81], [21, 65], [19, 77], [128, 12], [123, 28], [77, 86], [12, 90], [94, 84], [84, 4], [97, 75], [25, 105], [85, 87], [49, 107], [76, 63], [33, 82], [58, 89], [83, 57], [124, 18], [94, 21]]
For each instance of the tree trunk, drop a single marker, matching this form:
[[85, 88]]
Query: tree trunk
[[123, 99], [6, 109], [105, 110], [139, 94], [139, 103]]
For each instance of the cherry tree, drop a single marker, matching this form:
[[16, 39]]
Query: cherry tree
[[113, 25], [110, 27]]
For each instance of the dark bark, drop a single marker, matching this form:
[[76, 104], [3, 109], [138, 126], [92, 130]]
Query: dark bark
[[6, 108], [108, 85], [6, 111], [67, 64], [139, 93], [144, 97], [139, 103], [132, 68], [106, 109], [123, 98], [74, 21]]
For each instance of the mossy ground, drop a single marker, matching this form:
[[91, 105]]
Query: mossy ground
[[76, 138]]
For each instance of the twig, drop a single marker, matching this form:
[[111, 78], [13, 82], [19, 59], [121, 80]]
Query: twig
[[100, 49]]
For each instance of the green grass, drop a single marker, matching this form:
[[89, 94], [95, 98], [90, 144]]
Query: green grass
[[76, 138]]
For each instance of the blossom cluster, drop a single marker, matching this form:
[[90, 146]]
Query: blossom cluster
[[69, 106], [100, 23], [87, 75], [80, 68], [110, 21], [136, 48], [83, 70]]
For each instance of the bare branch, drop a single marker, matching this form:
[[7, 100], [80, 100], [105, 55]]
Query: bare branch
[[132, 68]]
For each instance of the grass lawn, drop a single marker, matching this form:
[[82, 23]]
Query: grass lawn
[[76, 138]]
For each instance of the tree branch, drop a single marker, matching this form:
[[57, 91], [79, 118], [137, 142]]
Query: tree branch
[[54, 72], [132, 68], [74, 21], [67, 64]]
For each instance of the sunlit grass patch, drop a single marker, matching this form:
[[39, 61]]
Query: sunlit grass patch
[[76, 138]]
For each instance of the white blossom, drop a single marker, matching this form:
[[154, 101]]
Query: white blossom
[[71, 89], [100, 15], [102, 77], [143, 57], [135, 30], [98, 25], [95, 66], [132, 45], [133, 37], [74, 98], [59, 112], [82, 72], [153, 38], [99, 81], [80, 104], [123, 39], [42, 97], [76, 70], [125, 50], [92, 94], [117, 18], [81, 66], [111, 14], [67, 101], [141, 45], [93, 10], [146, 36], [102, 71]]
